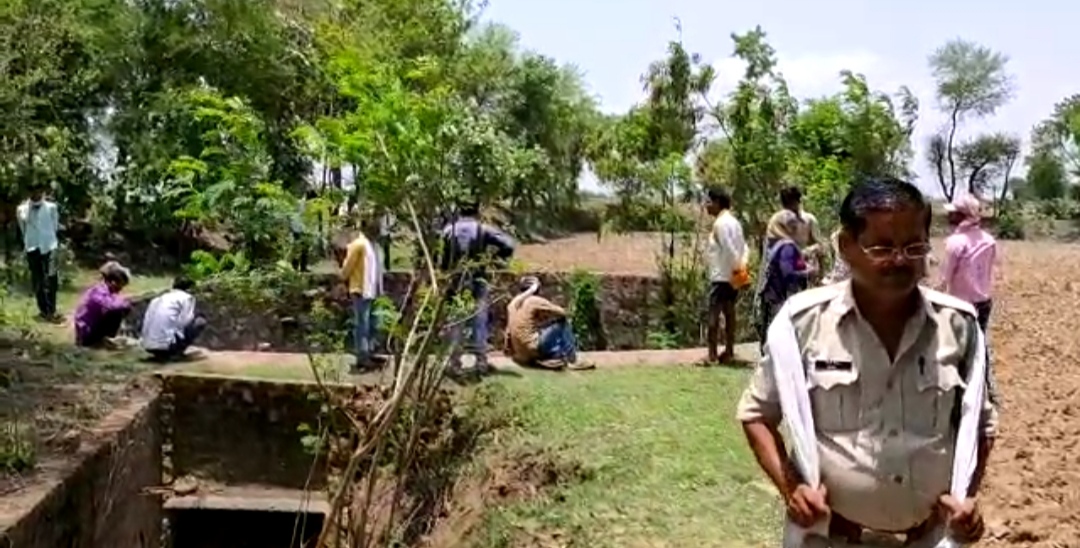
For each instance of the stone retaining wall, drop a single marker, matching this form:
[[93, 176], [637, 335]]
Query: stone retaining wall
[[98, 498], [626, 304], [220, 431], [238, 431]]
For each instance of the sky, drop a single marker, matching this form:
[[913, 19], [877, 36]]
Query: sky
[[613, 41]]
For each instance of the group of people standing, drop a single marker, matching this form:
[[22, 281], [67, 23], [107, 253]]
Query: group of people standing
[[538, 331], [794, 257]]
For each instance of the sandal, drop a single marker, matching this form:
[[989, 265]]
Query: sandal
[[706, 362]]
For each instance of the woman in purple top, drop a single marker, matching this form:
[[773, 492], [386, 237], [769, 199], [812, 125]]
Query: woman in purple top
[[785, 272], [102, 309]]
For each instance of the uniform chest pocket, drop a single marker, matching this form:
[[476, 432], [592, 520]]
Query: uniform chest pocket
[[938, 399], [836, 396]]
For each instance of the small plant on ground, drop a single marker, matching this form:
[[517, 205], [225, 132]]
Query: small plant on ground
[[585, 316], [18, 451]]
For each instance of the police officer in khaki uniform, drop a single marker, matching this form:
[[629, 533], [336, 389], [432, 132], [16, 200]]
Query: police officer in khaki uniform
[[886, 364]]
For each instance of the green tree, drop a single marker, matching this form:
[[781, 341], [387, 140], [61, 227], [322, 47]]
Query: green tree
[[972, 82], [642, 156], [754, 123], [1046, 177], [855, 133], [1059, 134]]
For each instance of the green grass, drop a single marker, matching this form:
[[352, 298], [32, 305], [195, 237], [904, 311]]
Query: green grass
[[671, 466]]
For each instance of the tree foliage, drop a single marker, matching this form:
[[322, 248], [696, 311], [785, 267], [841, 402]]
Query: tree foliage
[[972, 82], [171, 121], [768, 140], [138, 112]]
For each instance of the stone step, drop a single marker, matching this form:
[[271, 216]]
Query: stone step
[[252, 498]]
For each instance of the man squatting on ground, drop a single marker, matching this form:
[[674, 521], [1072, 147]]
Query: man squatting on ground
[[102, 308], [886, 362], [170, 324]]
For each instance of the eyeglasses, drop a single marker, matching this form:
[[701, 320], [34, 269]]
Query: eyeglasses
[[911, 252]]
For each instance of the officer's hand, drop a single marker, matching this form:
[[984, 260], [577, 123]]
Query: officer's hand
[[964, 520], [806, 505]]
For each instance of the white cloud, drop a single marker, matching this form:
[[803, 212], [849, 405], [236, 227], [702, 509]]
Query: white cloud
[[809, 75]]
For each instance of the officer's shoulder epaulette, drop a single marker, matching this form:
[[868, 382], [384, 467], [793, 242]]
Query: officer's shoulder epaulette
[[948, 301], [805, 300]]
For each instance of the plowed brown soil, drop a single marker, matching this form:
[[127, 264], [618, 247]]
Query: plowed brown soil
[[1032, 493], [613, 254]]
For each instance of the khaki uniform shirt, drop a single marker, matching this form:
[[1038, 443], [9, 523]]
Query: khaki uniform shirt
[[886, 428], [523, 325]]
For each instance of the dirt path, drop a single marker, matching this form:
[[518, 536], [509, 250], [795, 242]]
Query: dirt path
[[297, 366]]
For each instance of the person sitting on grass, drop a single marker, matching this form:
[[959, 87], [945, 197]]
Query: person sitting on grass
[[102, 309], [170, 325], [538, 332]]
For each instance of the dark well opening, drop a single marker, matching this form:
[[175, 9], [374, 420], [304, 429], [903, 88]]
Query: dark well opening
[[203, 528]]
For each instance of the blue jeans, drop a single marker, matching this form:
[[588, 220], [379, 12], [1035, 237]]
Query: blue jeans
[[557, 342], [479, 317], [363, 327]]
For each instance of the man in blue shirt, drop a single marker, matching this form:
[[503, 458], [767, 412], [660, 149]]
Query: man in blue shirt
[[39, 223], [467, 246]]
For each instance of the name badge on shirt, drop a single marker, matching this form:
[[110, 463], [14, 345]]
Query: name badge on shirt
[[824, 365]]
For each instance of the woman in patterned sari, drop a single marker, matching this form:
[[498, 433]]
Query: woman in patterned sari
[[784, 269]]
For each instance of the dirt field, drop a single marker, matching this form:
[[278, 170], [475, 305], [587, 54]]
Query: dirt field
[[1032, 497], [615, 254]]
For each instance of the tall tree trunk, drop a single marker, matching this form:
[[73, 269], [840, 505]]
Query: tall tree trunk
[[954, 122]]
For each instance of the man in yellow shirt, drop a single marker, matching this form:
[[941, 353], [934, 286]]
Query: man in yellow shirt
[[361, 272]]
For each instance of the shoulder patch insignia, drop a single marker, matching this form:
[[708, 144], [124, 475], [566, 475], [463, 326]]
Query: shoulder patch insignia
[[946, 300], [810, 298]]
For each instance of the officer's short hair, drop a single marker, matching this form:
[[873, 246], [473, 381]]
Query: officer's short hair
[[879, 194]]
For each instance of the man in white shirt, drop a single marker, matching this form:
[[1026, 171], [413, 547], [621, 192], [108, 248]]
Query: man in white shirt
[[727, 253], [39, 222], [170, 325]]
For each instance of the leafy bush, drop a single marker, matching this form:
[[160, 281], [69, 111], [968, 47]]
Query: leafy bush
[[585, 310], [1058, 208], [1010, 226], [17, 274]]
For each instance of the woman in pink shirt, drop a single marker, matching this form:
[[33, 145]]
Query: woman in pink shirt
[[970, 252]]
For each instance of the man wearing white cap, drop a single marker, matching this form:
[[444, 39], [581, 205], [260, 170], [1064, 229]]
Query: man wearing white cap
[[967, 271], [970, 252]]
